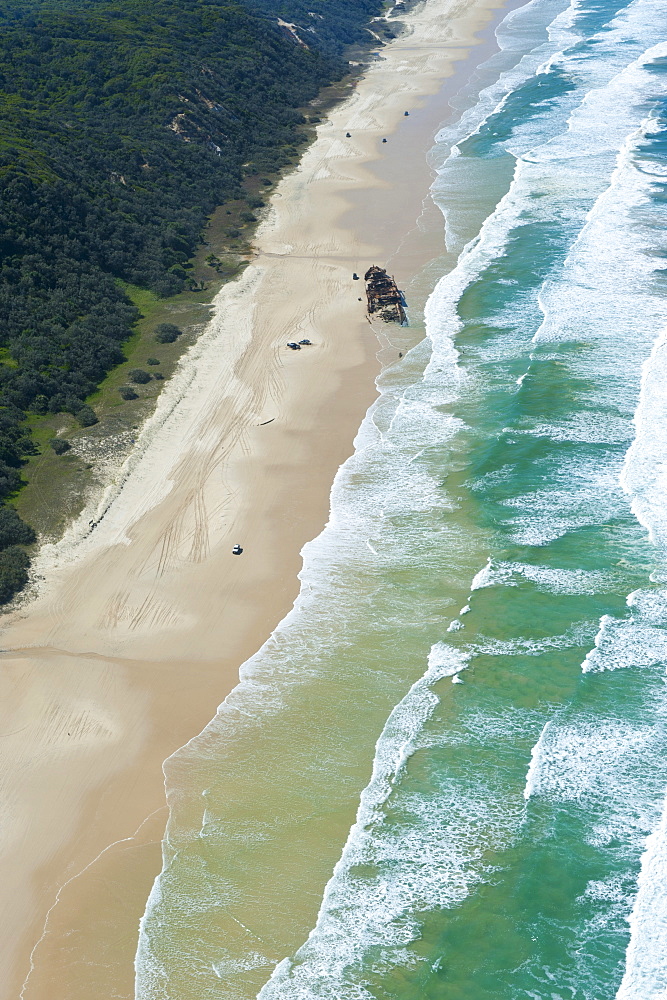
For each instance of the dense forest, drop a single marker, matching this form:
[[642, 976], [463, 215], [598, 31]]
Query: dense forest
[[123, 124]]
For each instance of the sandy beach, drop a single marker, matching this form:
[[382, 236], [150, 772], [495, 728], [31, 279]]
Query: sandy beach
[[142, 618]]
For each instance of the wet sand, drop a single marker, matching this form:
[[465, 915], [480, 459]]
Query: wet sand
[[140, 624]]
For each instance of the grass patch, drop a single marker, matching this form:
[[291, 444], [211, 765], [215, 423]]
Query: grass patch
[[7, 359]]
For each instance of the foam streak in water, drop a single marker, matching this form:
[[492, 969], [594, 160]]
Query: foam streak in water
[[646, 960], [533, 775]]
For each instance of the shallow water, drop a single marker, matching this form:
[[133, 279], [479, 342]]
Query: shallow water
[[445, 773]]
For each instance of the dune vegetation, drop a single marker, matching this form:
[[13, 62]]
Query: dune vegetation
[[123, 125]]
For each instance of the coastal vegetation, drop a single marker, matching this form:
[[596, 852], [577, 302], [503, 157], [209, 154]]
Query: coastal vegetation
[[123, 126]]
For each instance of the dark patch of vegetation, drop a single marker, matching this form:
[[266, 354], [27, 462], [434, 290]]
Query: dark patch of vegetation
[[14, 531], [86, 416], [152, 361], [139, 376], [59, 445], [167, 333], [126, 392], [14, 564]]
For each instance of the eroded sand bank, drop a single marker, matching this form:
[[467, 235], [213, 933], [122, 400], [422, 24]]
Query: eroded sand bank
[[141, 623]]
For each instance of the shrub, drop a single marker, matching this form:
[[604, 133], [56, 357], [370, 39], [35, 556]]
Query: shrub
[[60, 445], [10, 480], [233, 233], [169, 285], [126, 392], [139, 376], [152, 361], [14, 531], [14, 563], [166, 333], [86, 416], [159, 376], [247, 217]]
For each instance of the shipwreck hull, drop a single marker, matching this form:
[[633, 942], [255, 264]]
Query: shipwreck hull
[[384, 297]]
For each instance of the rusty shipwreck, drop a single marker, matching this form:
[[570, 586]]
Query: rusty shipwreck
[[383, 296]]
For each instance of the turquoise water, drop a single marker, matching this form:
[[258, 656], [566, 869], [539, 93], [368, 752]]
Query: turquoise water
[[445, 774]]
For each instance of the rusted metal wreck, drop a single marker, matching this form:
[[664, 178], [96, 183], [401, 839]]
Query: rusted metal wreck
[[383, 296]]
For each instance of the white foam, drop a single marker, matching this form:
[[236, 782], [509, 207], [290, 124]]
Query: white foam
[[639, 640], [572, 761], [491, 575], [609, 773], [644, 475], [645, 976], [610, 889], [576, 636], [586, 427], [595, 296], [580, 494], [536, 756], [552, 580]]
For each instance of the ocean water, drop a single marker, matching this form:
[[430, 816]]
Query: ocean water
[[445, 774]]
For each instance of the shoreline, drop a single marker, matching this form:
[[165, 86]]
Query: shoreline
[[144, 622]]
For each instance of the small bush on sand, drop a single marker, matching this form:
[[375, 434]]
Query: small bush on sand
[[139, 376], [152, 361], [126, 392]]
